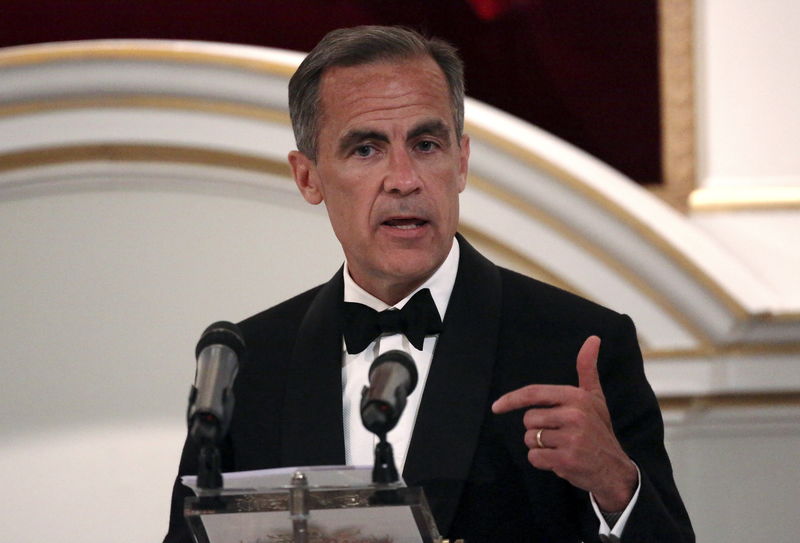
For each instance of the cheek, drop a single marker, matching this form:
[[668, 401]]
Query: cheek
[[349, 212], [449, 193]]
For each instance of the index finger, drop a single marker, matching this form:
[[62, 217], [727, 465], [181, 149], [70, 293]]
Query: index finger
[[531, 396]]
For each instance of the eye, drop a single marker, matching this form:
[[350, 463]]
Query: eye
[[364, 151], [427, 146]]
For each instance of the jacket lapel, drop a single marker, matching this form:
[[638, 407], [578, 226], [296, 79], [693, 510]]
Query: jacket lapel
[[312, 416], [455, 399]]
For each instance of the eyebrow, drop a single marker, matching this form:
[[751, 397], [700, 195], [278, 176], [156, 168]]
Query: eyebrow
[[435, 128], [356, 136]]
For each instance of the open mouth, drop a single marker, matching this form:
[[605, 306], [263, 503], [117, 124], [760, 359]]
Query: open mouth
[[405, 224]]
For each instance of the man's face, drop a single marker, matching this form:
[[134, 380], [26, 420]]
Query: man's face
[[389, 169]]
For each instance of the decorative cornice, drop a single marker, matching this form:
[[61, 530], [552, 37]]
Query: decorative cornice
[[147, 101], [758, 399], [140, 153], [173, 51], [709, 352], [763, 198]]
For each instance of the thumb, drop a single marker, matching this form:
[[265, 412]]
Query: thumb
[[588, 379]]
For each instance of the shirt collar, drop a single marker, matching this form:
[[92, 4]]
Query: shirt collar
[[440, 284]]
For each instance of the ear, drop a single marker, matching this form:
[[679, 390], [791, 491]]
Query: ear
[[305, 177], [463, 166]]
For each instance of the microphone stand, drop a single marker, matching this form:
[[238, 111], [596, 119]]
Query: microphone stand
[[205, 431], [209, 474], [384, 471], [209, 464], [384, 474]]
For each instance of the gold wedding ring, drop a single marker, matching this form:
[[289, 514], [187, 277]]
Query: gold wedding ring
[[539, 438]]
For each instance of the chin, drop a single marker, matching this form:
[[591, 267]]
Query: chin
[[413, 267]]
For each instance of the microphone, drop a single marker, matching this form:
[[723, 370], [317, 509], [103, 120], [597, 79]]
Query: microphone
[[218, 352], [392, 377]]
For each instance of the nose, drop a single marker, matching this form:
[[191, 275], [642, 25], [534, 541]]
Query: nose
[[402, 176]]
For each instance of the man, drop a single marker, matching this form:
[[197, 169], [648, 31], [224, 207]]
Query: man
[[521, 428]]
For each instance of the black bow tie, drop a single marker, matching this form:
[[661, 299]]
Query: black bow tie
[[418, 318]]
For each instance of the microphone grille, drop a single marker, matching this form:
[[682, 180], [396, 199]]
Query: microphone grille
[[223, 333], [399, 357]]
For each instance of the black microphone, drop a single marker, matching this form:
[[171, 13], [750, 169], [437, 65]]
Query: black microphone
[[219, 352], [392, 377]]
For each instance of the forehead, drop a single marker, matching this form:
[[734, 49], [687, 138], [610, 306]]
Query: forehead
[[384, 90]]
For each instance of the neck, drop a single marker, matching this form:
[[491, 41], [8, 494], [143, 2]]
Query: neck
[[390, 292], [392, 288]]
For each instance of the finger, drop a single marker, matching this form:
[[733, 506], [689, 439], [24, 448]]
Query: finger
[[545, 459], [542, 461], [553, 417], [588, 379], [549, 437], [530, 396]]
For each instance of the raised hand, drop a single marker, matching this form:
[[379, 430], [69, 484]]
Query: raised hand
[[568, 431]]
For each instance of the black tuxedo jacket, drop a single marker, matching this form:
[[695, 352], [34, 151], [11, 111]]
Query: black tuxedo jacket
[[502, 331]]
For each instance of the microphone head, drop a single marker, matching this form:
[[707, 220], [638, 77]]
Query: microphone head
[[392, 377], [399, 357], [223, 333], [220, 352]]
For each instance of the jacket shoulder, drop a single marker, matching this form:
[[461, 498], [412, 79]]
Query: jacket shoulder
[[523, 293]]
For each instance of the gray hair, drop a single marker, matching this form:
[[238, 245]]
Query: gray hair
[[363, 45]]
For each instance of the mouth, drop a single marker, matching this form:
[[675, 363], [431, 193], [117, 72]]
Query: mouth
[[411, 223]]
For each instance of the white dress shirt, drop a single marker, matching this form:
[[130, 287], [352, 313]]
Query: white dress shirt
[[359, 443]]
